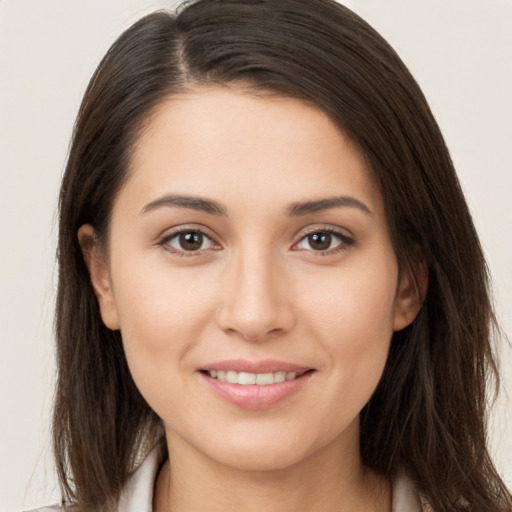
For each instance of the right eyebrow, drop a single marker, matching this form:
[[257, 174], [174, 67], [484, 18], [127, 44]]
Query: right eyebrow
[[191, 202]]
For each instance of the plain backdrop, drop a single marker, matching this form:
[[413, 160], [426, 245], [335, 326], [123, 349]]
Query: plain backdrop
[[460, 51]]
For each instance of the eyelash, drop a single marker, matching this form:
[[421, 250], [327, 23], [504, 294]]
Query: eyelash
[[345, 241], [165, 240]]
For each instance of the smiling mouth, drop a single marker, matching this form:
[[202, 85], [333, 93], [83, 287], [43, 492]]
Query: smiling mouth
[[248, 379], [255, 385]]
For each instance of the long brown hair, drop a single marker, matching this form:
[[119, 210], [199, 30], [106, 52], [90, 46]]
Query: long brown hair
[[428, 414]]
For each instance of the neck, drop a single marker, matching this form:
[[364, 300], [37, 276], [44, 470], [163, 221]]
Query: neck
[[331, 480]]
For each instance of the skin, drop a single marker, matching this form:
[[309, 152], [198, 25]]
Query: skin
[[257, 288]]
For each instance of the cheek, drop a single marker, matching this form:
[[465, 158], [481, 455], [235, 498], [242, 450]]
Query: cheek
[[352, 318], [159, 302], [353, 304], [162, 315]]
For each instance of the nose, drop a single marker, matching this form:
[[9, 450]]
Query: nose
[[256, 304]]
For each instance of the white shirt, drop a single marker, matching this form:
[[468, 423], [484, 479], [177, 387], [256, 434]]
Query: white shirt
[[137, 495]]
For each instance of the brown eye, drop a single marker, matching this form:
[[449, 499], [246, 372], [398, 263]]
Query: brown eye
[[189, 241], [324, 241], [320, 241]]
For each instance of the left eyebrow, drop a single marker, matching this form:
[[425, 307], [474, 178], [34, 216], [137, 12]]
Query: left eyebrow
[[306, 207]]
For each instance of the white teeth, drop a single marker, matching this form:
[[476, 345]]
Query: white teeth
[[263, 379], [279, 377], [246, 378], [232, 377]]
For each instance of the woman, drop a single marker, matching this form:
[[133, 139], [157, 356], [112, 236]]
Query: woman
[[269, 278]]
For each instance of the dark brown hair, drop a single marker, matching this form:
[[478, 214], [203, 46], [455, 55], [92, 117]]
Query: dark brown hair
[[427, 416]]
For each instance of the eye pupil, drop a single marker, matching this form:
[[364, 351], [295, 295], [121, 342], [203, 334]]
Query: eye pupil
[[191, 240], [320, 241]]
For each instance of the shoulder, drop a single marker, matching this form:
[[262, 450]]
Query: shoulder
[[137, 494]]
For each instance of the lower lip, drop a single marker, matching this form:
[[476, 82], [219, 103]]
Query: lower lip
[[253, 396]]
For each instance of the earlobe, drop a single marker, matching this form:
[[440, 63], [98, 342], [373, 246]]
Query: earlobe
[[411, 292], [99, 274]]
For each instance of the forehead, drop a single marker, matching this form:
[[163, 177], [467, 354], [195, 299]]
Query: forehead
[[230, 144]]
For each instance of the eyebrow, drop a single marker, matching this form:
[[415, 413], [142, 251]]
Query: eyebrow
[[294, 210], [307, 207], [191, 202]]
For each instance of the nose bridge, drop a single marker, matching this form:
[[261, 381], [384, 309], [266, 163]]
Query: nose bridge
[[254, 302]]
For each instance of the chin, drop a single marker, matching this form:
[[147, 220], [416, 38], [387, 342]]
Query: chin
[[260, 460], [263, 453]]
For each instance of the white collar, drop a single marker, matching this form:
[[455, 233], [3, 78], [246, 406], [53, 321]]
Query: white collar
[[405, 496], [137, 495]]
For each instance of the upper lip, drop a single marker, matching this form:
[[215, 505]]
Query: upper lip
[[264, 366]]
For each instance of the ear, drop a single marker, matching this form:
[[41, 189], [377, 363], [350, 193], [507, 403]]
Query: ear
[[100, 276], [411, 292]]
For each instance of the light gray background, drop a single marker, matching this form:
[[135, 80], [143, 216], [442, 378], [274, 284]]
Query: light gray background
[[460, 52]]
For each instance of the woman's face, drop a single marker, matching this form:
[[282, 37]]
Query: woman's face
[[251, 273]]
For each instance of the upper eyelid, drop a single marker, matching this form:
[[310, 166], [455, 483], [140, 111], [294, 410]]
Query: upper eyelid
[[176, 230], [303, 232]]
